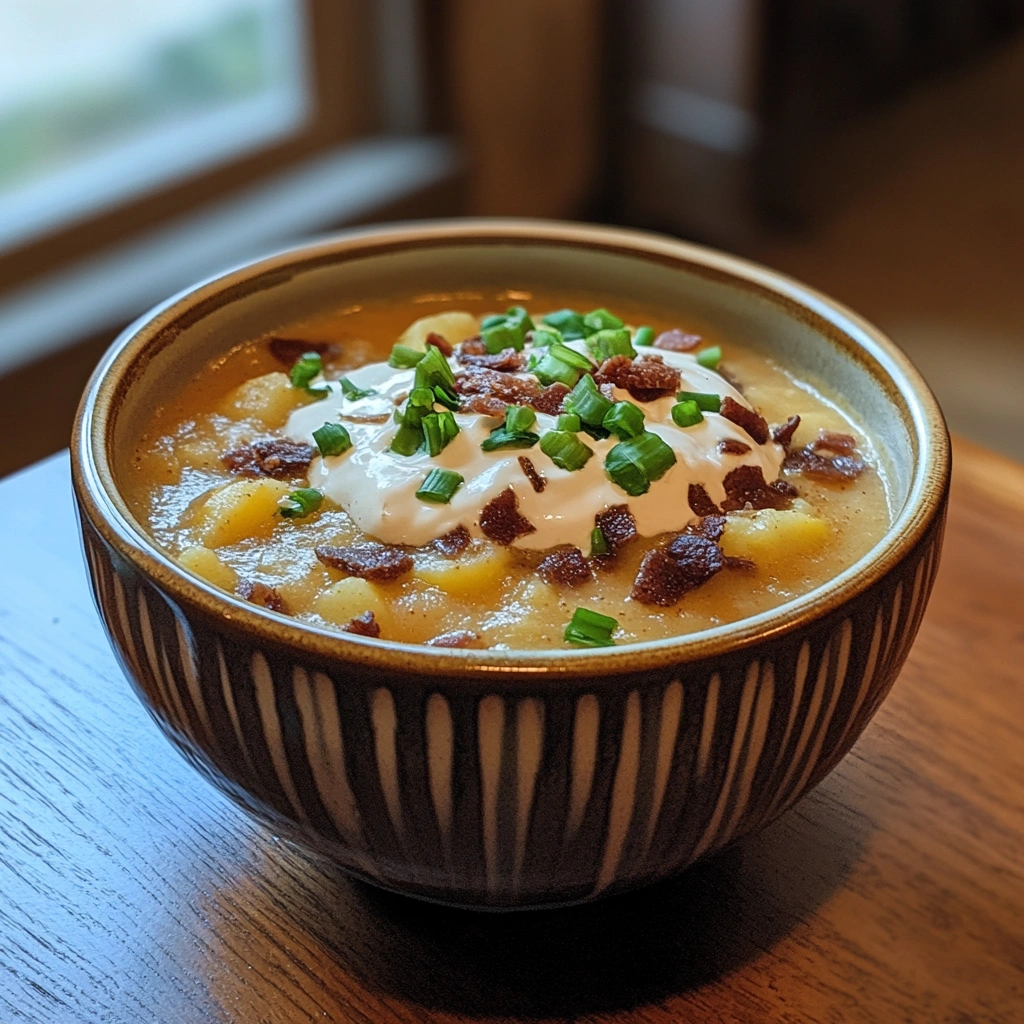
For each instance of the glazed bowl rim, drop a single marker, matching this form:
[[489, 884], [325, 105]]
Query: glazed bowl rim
[[96, 489]]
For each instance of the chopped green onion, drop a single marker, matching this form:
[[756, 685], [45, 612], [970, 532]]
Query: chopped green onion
[[446, 398], [644, 336], [548, 369], [565, 450], [353, 392], [590, 629], [624, 420], [598, 542], [407, 440], [305, 369], [501, 337], [404, 358], [568, 421], [687, 414], [433, 371], [705, 402], [568, 323], [570, 356], [611, 342], [519, 418], [439, 430], [492, 321], [318, 391], [439, 486], [449, 427], [301, 503], [600, 320], [332, 439], [544, 336], [502, 437], [710, 357], [518, 315], [635, 463], [587, 402]]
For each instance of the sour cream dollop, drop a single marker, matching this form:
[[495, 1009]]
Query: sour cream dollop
[[377, 487]]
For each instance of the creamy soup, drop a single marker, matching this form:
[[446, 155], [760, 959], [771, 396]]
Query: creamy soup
[[507, 470]]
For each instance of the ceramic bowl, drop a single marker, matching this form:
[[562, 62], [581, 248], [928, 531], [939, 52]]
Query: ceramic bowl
[[503, 779]]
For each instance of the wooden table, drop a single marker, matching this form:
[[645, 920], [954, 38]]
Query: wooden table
[[131, 891]]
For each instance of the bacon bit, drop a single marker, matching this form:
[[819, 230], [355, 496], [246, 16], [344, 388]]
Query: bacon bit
[[831, 441], [508, 360], [277, 458], [710, 527], [453, 543], [363, 625], [440, 342], [288, 350], [730, 446], [617, 524], [745, 485], [730, 378], [676, 340], [566, 567], [645, 378], [700, 501], [369, 560], [839, 469], [501, 520], [783, 434], [260, 593], [753, 423], [537, 481], [494, 388], [456, 638], [473, 347]]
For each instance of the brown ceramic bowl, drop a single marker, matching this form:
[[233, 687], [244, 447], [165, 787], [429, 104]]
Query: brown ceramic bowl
[[503, 779]]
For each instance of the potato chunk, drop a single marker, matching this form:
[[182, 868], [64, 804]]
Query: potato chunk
[[470, 575], [453, 327], [206, 564], [269, 398], [343, 601], [242, 509], [771, 538]]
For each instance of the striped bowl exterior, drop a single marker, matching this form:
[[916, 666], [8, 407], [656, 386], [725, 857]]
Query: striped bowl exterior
[[467, 792]]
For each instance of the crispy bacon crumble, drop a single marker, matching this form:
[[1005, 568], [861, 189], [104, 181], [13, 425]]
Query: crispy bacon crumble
[[452, 543], [260, 593], [565, 566], [537, 480], [676, 340], [363, 625], [645, 378], [752, 422], [501, 520], [368, 560], [274, 457]]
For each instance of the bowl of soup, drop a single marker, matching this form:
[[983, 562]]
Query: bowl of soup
[[507, 563]]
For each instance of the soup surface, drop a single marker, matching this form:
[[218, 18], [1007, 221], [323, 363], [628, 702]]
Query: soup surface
[[518, 479]]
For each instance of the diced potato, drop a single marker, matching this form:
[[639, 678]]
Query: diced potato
[[269, 398], [242, 509], [453, 327], [771, 538], [301, 590], [534, 612], [469, 575], [348, 598], [418, 611], [206, 564]]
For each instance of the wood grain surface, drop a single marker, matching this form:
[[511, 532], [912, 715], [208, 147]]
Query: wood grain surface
[[130, 891]]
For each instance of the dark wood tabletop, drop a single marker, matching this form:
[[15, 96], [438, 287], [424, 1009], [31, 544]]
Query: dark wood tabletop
[[131, 891]]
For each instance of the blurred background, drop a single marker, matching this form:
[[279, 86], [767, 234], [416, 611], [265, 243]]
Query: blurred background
[[874, 148]]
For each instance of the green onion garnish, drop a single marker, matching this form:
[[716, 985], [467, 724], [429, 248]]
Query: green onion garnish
[[568, 323], [446, 398], [407, 440], [548, 369], [502, 336], [587, 402], [635, 463], [409, 437], [565, 450], [518, 315], [710, 357], [301, 503], [590, 629], [624, 420], [332, 439], [404, 358], [502, 437], [644, 336], [611, 342], [598, 542], [305, 369], [433, 371], [439, 430], [687, 414], [492, 321], [353, 392], [600, 320], [705, 402], [519, 418], [439, 486], [544, 336], [570, 356], [568, 421]]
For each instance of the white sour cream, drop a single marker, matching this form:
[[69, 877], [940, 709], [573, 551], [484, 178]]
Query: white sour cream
[[378, 487]]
